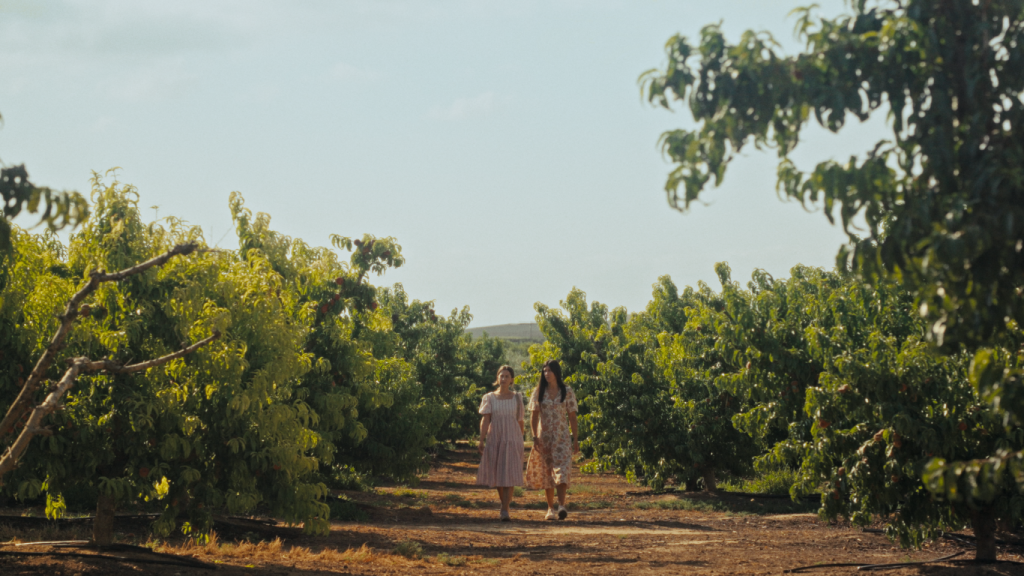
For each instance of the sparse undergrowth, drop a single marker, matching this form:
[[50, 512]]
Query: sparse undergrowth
[[777, 482], [730, 505]]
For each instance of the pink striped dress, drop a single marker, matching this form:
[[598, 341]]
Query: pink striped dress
[[502, 461]]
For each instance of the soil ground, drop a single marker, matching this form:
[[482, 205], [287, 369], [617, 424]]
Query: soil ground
[[446, 525]]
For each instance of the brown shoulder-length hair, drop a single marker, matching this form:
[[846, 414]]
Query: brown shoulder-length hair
[[542, 384], [511, 372]]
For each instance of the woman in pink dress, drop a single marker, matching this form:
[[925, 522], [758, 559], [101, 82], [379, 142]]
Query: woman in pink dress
[[553, 407], [501, 440]]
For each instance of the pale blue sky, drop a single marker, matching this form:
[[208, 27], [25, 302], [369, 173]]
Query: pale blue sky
[[503, 143]]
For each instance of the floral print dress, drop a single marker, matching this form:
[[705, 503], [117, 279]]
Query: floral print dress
[[551, 463]]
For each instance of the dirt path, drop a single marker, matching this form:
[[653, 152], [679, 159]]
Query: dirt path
[[447, 525]]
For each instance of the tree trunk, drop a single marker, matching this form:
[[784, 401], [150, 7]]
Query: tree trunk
[[691, 485], [103, 524], [710, 484], [983, 521]]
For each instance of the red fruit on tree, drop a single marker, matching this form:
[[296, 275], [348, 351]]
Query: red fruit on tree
[[339, 281], [144, 472], [845, 389], [277, 466], [748, 365], [962, 426], [824, 424], [373, 305], [386, 253], [842, 471], [358, 242], [323, 309]]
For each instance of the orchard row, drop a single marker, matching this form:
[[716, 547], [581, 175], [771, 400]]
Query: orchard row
[[819, 375], [318, 377]]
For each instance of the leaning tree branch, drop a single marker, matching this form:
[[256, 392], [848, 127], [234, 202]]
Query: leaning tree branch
[[23, 403], [114, 368], [9, 460]]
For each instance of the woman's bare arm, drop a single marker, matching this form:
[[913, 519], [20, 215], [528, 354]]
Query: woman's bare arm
[[519, 414], [485, 425], [534, 421], [575, 432]]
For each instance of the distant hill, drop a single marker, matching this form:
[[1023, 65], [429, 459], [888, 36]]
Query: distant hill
[[527, 331]]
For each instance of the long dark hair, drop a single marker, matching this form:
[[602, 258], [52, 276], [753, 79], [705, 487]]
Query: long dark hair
[[556, 369]]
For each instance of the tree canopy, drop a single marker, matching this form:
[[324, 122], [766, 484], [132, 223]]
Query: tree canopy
[[941, 195]]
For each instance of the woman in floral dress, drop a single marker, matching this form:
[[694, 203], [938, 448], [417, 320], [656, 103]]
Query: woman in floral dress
[[501, 440], [553, 423]]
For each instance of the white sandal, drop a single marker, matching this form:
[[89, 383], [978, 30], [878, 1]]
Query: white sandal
[[551, 515]]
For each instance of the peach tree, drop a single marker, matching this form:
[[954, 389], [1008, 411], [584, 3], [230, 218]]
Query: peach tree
[[837, 378], [218, 430], [454, 369], [369, 406], [940, 195], [649, 405]]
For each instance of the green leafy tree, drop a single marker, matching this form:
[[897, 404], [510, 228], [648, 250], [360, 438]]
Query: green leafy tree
[[836, 377], [649, 404], [370, 407], [454, 369], [18, 195], [219, 429], [941, 197], [317, 374], [390, 377]]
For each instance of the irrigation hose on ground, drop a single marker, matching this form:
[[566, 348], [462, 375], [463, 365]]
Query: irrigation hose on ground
[[861, 566], [161, 558]]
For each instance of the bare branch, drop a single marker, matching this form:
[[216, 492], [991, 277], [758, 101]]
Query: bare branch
[[23, 403], [9, 460], [115, 368], [183, 249]]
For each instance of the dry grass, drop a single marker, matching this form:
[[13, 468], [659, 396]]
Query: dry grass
[[275, 552]]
